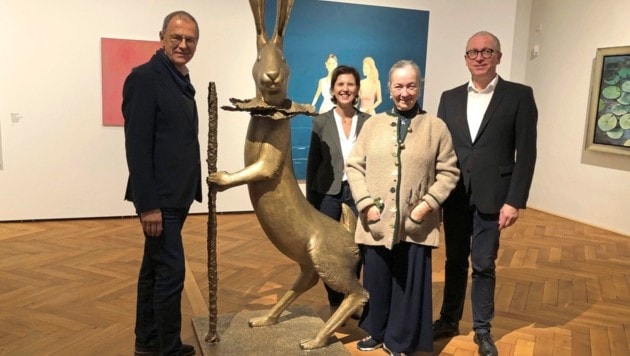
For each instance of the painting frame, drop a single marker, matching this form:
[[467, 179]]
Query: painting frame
[[608, 119]]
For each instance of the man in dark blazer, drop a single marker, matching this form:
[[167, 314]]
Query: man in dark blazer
[[162, 148], [493, 125], [326, 184]]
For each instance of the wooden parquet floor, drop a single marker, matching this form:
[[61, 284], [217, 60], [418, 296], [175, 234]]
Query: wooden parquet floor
[[67, 287]]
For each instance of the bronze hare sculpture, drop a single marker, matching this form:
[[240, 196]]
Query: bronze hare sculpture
[[323, 247]]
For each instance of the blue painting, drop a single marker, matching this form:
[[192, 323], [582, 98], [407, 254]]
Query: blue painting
[[321, 34]]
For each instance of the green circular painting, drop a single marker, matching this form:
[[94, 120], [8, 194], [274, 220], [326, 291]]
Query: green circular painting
[[611, 123]]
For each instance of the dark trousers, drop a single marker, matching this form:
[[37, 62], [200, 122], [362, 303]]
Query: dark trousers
[[470, 233], [330, 205], [399, 311], [160, 285]]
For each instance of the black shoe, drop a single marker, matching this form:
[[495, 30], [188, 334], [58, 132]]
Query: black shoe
[[187, 350], [142, 350], [393, 353], [486, 344], [443, 329], [369, 344]]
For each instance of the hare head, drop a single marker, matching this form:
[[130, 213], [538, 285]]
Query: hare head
[[271, 71]]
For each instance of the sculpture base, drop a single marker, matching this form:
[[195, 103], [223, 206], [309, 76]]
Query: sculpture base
[[238, 338]]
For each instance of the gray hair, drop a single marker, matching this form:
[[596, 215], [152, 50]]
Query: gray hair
[[182, 15], [403, 63], [486, 33]]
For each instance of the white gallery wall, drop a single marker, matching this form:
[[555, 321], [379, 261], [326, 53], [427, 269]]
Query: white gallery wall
[[581, 185], [58, 161]]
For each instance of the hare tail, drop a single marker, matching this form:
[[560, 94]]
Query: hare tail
[[348, 219]]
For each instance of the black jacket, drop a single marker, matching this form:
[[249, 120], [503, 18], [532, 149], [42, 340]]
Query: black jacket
[[498, 165], [162, 147]]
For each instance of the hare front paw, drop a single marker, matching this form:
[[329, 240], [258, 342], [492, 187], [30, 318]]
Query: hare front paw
[[221, 179], [312, 344], [262, 321]]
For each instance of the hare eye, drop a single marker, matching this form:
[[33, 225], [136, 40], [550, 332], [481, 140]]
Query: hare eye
[[259, 58]]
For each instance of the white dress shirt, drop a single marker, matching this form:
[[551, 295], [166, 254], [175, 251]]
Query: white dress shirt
[[346, 142], [478, 101]]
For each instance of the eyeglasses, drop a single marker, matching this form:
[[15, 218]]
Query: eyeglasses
[[177, 39], [485, 53]]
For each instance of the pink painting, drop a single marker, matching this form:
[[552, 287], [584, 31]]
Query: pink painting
[[118, 57]]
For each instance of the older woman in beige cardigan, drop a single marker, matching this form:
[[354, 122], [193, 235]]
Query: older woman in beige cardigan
[[401, 169]]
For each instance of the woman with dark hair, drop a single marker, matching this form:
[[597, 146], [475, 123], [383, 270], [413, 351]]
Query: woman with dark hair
[[333, 136]]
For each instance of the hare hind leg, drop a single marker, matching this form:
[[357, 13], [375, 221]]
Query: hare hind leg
[[305, 281], [341, 277], [353, 301]]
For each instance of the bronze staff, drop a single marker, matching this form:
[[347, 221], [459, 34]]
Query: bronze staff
[[212, 336]]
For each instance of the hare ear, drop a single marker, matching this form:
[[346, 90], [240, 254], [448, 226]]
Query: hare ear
[[284, 9], [258, 9]]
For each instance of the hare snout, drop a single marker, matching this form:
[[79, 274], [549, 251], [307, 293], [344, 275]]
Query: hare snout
[[273, 75], [273, 80]]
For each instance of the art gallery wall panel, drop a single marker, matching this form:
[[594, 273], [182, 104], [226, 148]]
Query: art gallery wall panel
[[591, 187], [59, 161]]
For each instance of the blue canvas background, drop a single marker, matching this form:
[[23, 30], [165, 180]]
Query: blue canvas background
[[351, 32]]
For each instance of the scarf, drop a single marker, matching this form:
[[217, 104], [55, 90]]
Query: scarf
[[182, 81]]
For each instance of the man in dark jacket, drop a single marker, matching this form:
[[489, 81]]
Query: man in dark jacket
[[161, 129], [493, 125]]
